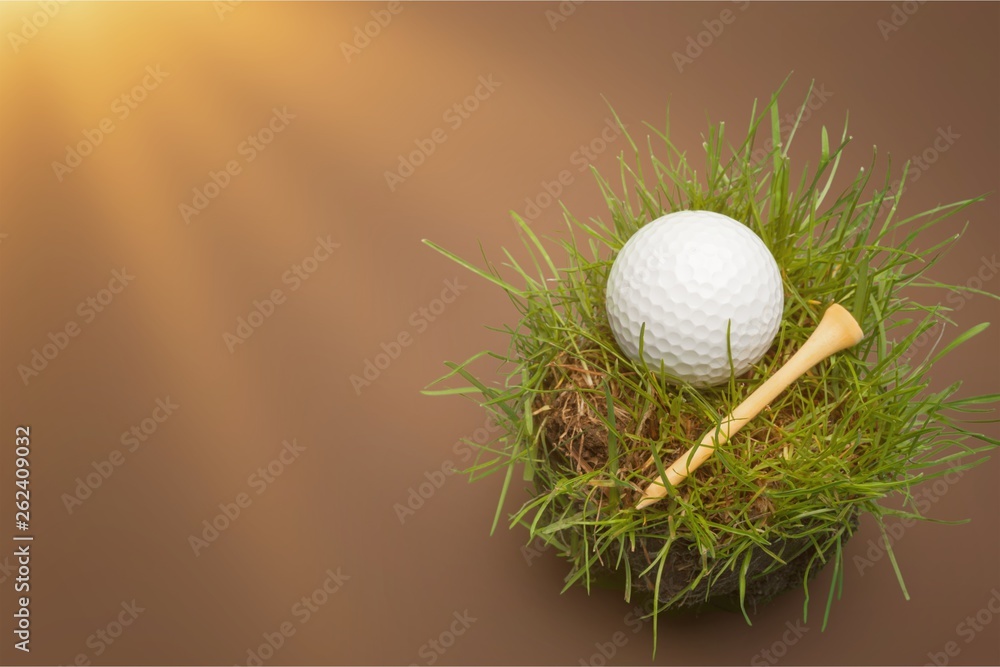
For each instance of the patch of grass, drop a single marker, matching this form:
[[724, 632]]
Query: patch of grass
[[580, 420]]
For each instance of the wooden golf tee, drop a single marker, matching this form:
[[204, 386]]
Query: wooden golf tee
[[837, 330]]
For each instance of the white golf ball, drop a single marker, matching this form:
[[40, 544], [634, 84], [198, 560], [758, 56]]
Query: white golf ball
[[692, 277]]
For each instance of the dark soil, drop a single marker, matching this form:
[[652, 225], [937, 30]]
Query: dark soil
[[683, 566], [576, 439]]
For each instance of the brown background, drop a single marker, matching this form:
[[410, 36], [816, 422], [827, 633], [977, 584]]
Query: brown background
[[324, 175]]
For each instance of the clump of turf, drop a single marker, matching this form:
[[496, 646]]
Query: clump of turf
[[773, 506]]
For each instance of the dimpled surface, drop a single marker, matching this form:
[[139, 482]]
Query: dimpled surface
[[686, 275]]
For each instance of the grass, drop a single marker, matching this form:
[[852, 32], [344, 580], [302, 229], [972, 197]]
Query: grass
[[580, 419]]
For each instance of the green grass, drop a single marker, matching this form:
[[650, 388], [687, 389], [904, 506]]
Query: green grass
[[579, 419]]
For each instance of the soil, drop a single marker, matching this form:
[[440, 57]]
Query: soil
[[683, 566], [576, 439]]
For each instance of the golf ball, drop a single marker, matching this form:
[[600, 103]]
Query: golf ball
[[692, 277]]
